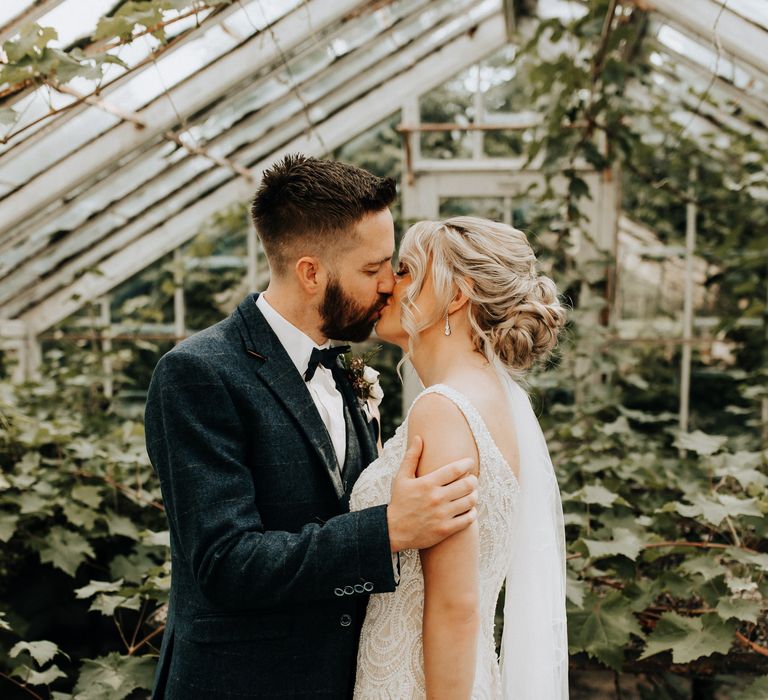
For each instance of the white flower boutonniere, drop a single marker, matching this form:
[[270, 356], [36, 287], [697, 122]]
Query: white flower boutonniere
[[365, 382]]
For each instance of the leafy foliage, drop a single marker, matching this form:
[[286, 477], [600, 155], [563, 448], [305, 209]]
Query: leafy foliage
[[667, 528], [81, 518]]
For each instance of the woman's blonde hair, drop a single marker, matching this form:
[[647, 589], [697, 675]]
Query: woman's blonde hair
[[514, 312]]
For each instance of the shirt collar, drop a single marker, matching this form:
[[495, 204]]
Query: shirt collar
[[297, 344]]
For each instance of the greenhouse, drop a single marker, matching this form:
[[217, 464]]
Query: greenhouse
[[627, 139]]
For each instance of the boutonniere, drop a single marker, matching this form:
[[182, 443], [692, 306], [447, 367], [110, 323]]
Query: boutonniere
[[364, 380]]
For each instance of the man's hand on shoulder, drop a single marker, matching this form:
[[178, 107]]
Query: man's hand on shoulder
[[424, 510]]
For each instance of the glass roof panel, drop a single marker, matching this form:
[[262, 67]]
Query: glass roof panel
[[754, 10], [682, 45], [564, 9], [327, 67], [726, 67], [709, 59], [186, 175], [11, 10], [74, 20], [138, 91], [264, 93]]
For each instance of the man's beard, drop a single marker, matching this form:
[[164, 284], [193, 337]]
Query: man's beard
[[343, 318]]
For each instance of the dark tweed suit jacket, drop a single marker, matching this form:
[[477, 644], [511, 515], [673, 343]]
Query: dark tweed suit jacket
[[271, 572]]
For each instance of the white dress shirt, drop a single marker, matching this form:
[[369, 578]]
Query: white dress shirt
[[322, 388]]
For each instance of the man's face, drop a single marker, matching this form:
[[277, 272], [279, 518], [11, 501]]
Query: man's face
[[361, 281]]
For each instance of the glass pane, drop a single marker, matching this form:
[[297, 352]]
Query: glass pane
[[451, 103], [690, 48], [74, 20], [11, 10], [142, 88], [754, 10]]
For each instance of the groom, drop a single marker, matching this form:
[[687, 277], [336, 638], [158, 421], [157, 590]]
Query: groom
[[258, 439]]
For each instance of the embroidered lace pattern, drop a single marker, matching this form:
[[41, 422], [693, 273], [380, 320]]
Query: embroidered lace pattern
[[390, 657]]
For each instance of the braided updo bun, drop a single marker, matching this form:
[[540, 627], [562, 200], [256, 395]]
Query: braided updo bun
[[514, 312]]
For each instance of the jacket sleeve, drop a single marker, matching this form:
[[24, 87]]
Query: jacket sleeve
[[197, 444]]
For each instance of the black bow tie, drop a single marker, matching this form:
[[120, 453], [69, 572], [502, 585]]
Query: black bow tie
[[325, 357]]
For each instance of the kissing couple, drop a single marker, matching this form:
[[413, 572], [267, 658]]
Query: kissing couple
[[308, 559]]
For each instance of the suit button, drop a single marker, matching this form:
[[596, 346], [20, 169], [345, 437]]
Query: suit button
[[367, 586], [359, 589], [346, 620], [338, 591], [349, 590]]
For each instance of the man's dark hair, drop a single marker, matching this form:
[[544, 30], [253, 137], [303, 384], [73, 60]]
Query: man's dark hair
[[307, 200]]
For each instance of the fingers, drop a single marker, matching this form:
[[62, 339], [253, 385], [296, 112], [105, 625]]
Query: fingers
[[451, 472], [459, 489], [460, 522], [410, 462], [462, 505]]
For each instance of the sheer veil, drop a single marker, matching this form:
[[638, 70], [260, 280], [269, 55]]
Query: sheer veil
[[534, 646]]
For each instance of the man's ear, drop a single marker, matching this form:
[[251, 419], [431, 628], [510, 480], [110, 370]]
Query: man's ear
[[310, 274]]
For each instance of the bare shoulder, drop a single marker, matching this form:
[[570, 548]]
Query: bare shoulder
[[487, 395], [483, 391], [443, 428]]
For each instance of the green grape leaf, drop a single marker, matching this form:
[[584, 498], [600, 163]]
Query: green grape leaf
[[31, 43], [595, 494], [624, 542], [750, 558], [33, 677], [689, 638], [4, 623], [157, 539], [7, 526], [603, 628], [132, 14], [80, 516], [739, 608], [95, 587], [121, 525], [618, 427], [65, 549], [31, 502], [714, 510], [707, 566], [130, 568], [700, 443], [89, 495], [114, 677], [107, 604], [742, 466], [575, 589], [42, 652]]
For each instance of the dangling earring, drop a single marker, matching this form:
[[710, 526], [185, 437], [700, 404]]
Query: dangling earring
[[447, 330]]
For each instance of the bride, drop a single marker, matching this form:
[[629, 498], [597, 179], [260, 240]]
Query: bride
[[473, 314]]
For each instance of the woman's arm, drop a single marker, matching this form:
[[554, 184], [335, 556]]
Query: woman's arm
[[451, 568]]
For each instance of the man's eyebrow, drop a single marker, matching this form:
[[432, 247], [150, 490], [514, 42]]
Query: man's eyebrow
[[379, 262]]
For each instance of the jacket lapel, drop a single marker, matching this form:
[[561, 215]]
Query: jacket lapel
[[368, 446], [277, 370]]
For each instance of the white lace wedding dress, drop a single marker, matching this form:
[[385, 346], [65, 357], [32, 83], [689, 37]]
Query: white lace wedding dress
[[390, 658]]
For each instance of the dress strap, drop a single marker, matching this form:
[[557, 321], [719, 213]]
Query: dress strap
[[477, 425]]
